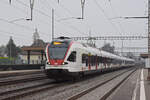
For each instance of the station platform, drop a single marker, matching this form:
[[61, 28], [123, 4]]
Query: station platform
[[144, 86], [137, 87], [140, 85]]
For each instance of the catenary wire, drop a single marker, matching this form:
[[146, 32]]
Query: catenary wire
[[41, 12], [106, 16]]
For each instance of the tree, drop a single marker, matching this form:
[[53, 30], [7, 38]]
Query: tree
[[107, 47], [2, 50], [130, 55], [11, 49]]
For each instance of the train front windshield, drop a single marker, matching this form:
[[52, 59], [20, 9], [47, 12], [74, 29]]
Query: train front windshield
[[57, 50]]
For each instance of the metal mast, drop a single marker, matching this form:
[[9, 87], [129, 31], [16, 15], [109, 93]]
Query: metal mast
[[148, 77], [10, 1], [31, 7], [82, 7], [52, 24], [149, 28]]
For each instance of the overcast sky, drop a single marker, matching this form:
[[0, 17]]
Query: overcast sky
[[100, 18]]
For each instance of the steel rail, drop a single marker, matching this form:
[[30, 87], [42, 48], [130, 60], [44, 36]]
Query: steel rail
[[11, 82], [79, 95], [32, 90], [14, 74], [22, 92], [114, 88]]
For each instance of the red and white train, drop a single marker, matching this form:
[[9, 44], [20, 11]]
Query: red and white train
[[69, 59]]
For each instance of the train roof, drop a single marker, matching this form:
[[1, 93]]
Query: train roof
[[105, 53], [113, 56], [95, 50]]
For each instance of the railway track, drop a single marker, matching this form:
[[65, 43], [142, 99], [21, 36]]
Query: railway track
[[36, 83], [6, 74], [9, 85], [20, 93], [49, 86], [16, 80], [104, 97]]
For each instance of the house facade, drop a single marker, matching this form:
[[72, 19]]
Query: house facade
[[34, 54], [35, 58]]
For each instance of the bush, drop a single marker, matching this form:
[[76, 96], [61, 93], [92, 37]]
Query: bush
[[6, 60]]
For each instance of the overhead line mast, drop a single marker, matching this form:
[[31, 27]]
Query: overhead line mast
[[82, 7], [31, 7], [52, 24], [148, 17], [149, 28], [148, 39], [10, 1]]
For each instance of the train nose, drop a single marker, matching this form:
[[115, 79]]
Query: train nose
[[56, 62]]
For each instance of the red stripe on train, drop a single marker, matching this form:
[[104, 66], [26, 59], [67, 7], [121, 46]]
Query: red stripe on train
[[56, 62]]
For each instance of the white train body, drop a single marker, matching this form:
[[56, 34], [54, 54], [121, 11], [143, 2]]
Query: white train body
[[70, 58]]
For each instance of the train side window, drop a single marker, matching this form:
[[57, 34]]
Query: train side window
[[72, 56], [92, 61], [98, 60], [84, 58]]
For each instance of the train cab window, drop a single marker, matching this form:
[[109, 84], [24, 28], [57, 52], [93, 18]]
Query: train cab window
[[72, 57]]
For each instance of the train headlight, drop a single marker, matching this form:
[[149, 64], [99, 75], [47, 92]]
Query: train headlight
[[64, 63], [48, 63]]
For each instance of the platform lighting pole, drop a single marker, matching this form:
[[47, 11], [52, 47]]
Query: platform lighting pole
[[52, 24]]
